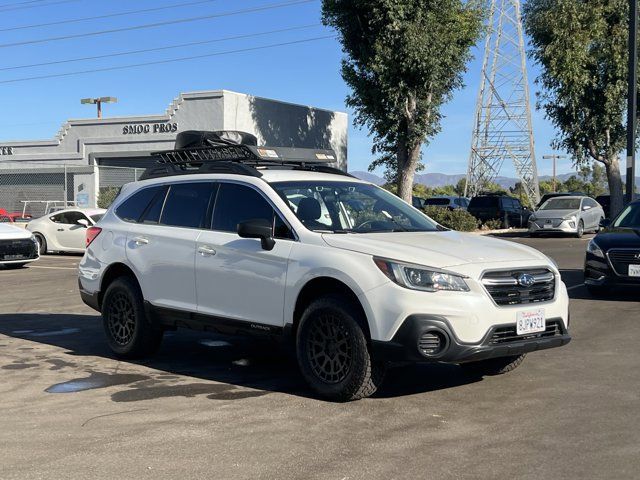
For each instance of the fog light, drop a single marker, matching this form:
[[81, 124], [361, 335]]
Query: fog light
[[432, 343], [572, 224]]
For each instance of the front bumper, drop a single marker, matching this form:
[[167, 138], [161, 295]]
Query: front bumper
[[404, 347], [565, 226], [598, 272]]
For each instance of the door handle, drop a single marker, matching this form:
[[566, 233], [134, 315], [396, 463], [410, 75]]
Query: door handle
[[61, 229], [141, 240], [206, 250]]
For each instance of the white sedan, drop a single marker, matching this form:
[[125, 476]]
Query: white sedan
[[17, 246], [64, 231]]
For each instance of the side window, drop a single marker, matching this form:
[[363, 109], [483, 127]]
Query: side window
[[591, 202], [186, 205], [458, 202], [132, 208], [238, 203], [152, 214], [516, 204], [68, 218]]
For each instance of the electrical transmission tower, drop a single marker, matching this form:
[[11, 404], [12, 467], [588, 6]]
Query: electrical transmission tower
[[502, 129]]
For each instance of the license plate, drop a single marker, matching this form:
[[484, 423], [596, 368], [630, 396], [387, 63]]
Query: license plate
[[532, 321], [13, 257], [547, 225], [634, 270]]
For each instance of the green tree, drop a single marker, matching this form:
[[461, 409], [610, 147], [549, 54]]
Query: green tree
[[403, 60], [582, 49], [461, 187]]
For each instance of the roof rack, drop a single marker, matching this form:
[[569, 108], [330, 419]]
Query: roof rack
[[220, 152]]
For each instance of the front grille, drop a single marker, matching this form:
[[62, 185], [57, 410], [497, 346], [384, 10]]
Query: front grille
[[17, 249], [508, 333], [554, 222], [621, 259], [506, 289]]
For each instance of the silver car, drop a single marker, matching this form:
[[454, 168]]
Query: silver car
[[569, 214]]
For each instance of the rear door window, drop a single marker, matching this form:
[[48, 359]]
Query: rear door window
[[187, 204], [151, 215]]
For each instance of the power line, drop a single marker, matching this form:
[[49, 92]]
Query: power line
[[171, 60], [158, 49], [24, 7], [158, 24], [11, 4], [109, 15]]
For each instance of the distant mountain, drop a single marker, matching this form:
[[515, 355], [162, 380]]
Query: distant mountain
[[441, 179]]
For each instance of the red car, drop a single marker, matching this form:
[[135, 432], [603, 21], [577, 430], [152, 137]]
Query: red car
[[13, 217]]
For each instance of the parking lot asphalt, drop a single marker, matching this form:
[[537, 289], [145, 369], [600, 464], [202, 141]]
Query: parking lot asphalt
[[217, 407]]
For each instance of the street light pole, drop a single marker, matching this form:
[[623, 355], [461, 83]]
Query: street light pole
[[554, 158], [632, 98], [98, 102]]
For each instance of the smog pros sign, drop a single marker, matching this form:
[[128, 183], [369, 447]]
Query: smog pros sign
[[142, 128]]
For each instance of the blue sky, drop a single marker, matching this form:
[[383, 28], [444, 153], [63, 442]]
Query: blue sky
[[306, 73]]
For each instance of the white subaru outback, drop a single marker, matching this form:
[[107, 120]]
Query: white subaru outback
[[244, 239]]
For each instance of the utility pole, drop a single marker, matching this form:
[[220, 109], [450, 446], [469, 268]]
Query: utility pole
[[502, 130], [98, 102], [554, 158], [632, 99]]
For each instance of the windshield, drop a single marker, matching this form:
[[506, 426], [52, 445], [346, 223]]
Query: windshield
[[629, 218], [561, 204], [344, 207]]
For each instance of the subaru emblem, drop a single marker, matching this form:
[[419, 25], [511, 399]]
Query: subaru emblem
[[525, 280]]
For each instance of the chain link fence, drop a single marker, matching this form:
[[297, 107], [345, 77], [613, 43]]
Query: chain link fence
[[33, 189]]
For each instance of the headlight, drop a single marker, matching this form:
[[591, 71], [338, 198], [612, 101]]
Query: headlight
[[572, 218], [421, 278], [594, 249]]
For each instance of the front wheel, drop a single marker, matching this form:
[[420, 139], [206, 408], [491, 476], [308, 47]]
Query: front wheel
[[333, 353], [580, 229], [129, 332], [42, 243], [494, 366]]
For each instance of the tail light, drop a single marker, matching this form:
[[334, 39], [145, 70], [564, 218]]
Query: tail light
[[92, 233]]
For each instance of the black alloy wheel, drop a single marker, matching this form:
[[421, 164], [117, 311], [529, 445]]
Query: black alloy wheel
[[120, 318], [329, 349]]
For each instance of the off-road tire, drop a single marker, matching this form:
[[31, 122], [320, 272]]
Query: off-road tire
[[130, 334], [331, 330], [494, 366], [42, 243]]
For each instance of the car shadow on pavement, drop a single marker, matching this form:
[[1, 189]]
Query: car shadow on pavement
[[243, 366]]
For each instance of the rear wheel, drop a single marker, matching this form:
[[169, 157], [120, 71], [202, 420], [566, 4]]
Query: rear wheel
[[42, 243], [494, 366], [333, 353], [129, 332]]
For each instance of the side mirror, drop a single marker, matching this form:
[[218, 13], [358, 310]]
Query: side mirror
[[586, 207], [84, 222], [605, 222], [258, 228]]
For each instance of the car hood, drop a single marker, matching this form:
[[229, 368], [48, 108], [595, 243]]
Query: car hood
[[436, 249], [555, 213], [618, 238], [9, 232]]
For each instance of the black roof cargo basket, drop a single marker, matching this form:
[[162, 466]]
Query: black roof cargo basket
[[237, 153]]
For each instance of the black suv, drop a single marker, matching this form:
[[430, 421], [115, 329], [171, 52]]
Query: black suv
[[501, 207]]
